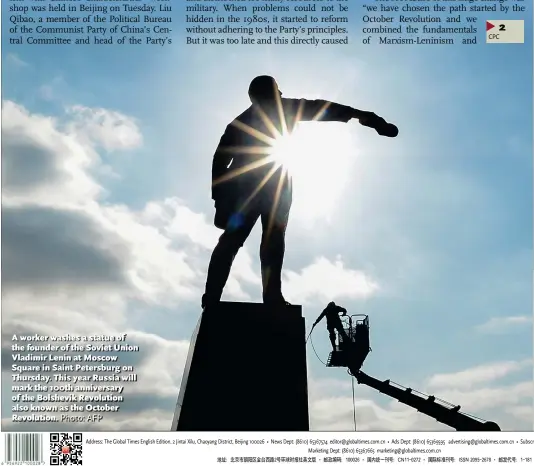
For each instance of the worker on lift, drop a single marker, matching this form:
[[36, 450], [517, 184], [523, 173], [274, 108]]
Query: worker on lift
[[333, 322]]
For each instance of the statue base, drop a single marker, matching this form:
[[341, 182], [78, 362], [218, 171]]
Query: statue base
[[246, 371]]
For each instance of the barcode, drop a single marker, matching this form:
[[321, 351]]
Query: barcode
[[23, 447]]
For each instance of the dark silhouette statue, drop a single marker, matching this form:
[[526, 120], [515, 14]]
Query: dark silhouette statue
[[247, 185], [333, 322]]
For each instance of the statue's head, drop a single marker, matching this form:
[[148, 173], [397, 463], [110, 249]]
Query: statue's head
[[263, 89], [331, 305]]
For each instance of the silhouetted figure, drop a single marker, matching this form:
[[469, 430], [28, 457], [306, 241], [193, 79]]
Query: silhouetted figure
[[248, 185], [333, 322]]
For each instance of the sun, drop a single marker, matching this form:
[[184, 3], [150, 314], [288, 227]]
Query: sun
[[318, 156]]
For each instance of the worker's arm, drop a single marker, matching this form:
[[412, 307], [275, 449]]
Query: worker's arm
[[319, 318], [341, 310], [221, 160], [324, 110]]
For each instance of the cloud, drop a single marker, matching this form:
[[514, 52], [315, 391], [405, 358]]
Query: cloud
[[53, 90], [15, 60], [480, 390], [46, 91], [158, 364], [524, 412], [74, 264], [40, 163], [328, 280], [45, 246], [109, 129], [481, 400], [505, 324], [54, 225], [178, 220], [477, 375], [80, 266]]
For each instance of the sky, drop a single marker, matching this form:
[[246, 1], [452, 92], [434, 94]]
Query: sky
[[107, 214]]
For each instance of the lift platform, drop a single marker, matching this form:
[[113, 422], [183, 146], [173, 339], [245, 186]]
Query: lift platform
[[352, 350]]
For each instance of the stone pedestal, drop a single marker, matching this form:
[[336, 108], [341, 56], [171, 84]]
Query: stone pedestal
[[245, 371]]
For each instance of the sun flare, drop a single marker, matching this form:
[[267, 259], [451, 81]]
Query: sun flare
[[318, 157]]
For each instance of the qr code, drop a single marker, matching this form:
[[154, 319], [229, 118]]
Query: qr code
[[65, 449]]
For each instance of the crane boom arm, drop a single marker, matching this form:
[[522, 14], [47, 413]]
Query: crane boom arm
[[451, 417]]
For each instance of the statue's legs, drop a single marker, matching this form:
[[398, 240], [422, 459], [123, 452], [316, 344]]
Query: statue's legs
[[274, 218], [224, 254], [272, 252]]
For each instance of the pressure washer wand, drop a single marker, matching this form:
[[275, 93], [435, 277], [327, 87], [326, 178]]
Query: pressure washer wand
[[309, 334]]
